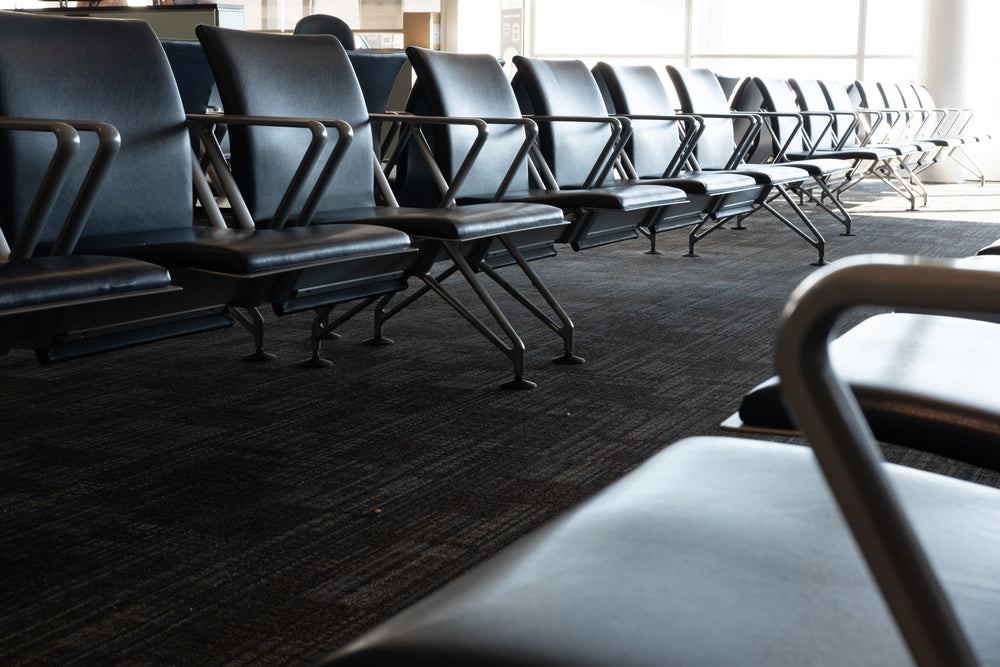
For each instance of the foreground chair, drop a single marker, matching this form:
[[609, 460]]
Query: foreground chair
[[144, 208], [268, 82], [720, 551]]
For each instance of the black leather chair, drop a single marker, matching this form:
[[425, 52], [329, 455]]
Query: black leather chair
[[599, 214], [789, 144], [658, 135], [895, 170], [720, 551], [564, 98], [309, 76], [116, 71], [324, 24], [931, 124], [43, 296], [700, 93]]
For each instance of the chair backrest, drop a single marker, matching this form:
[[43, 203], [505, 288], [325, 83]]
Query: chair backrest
[[563, 88], [463, 85], [809, 96], [293, 76], [777, 95], [95, 70], [324, 24], [699, 91], [640, 90], [909, 95]]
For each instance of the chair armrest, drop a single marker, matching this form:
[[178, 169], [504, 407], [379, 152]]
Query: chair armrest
[[320, 138], [621, 130], [67, 146], [409, 128], [743, 146], [694, 127], [828, 413]]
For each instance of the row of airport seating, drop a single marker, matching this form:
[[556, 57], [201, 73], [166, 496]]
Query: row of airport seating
[[131, 185], [717, 551], [605, 150]]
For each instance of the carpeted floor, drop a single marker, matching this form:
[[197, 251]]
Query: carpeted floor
[[170, 504]]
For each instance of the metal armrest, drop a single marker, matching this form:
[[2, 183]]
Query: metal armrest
[[621, 130], [67, 145], [320, 138], [743, 146], [410, 128], [694, 127], [828, 413]]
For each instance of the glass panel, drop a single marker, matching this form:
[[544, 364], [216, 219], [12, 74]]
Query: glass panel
[[625, 27], [775, 27], [894, 27], [840, 69], [891, 69]]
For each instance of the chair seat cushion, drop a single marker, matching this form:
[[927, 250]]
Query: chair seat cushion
[[774, 174], [461, 223], [874, 153], [613, 197], [242, 252], [708, 183], [42, 281], [902, 368], [822, 166], [716, 551]]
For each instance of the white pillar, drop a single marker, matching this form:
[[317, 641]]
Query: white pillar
[[944, 68]]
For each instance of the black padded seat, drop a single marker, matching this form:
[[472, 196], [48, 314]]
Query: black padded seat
[[467, 223], [716, 551], [876, 153], [249, 252], [308, 78], [700, 93], [919, 380], [45, 282], [629, 197], [549, 90], [600, 213]]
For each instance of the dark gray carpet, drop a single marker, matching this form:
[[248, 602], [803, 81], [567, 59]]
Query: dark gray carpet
[[170, 504]]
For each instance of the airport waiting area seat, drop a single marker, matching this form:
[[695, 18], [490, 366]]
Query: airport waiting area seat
[[43, 296], [116, 72], [938, 126], [719, 148], [270, 82], [324, 24], [564, 98], [787, 142], [504, 171], [870, 130], [722, 551], [663, 142]]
